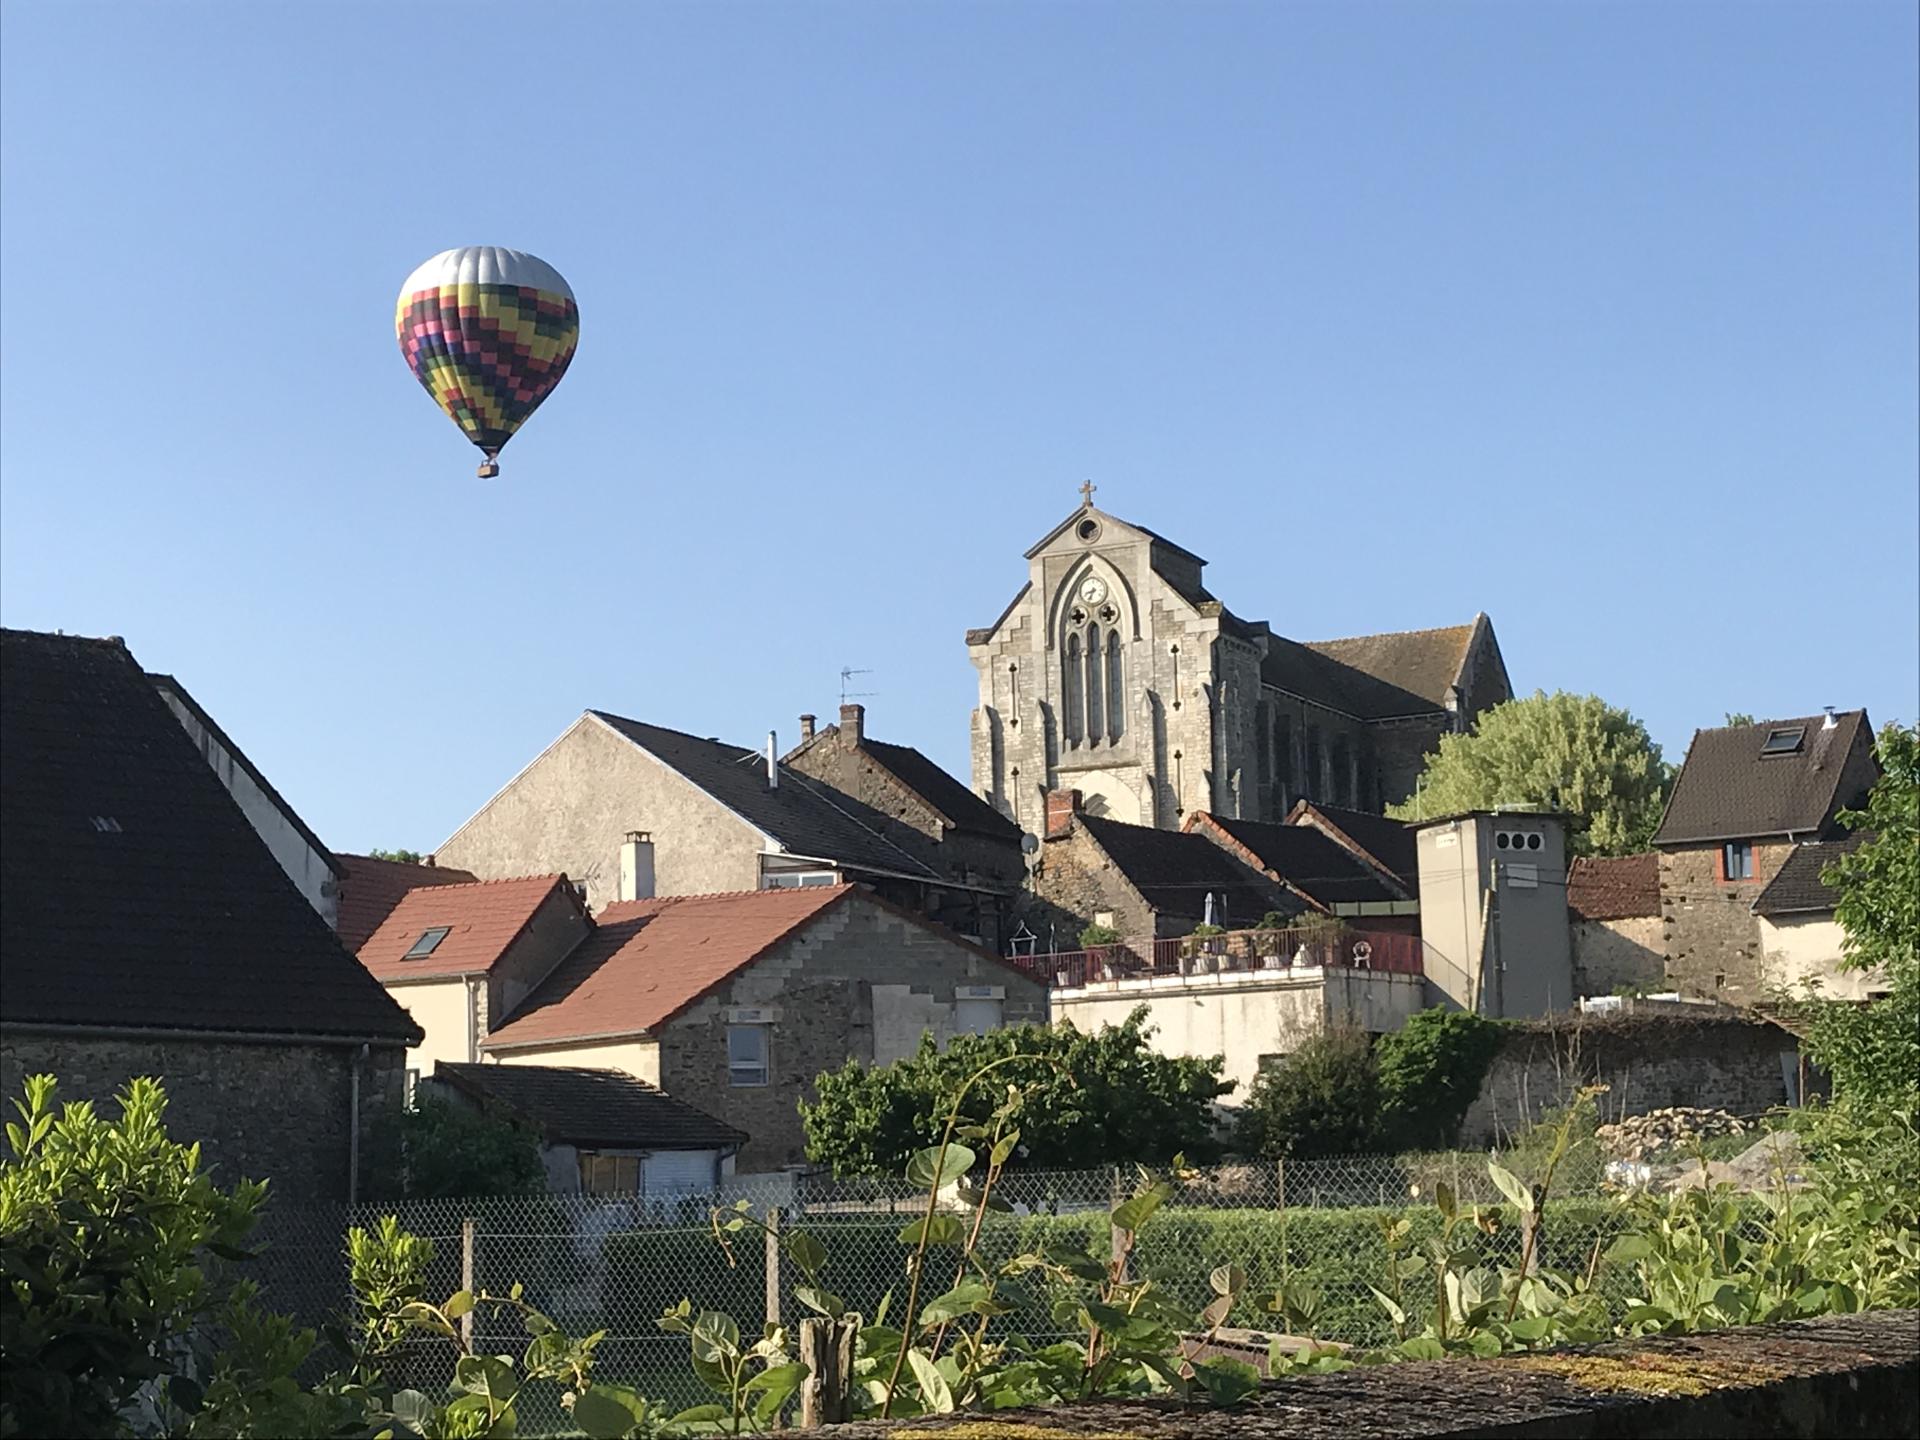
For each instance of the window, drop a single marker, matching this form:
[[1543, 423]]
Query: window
[[1784, 741], [1314, 783], [1736, 860], [1072, 694], [746, 1055], [1341, 790], [1096, 685], [1283, 750], [428, 942], [1092, 682], [1116, 707], [609, 1174], [413, 1085], [796, 879], [1517, 840]]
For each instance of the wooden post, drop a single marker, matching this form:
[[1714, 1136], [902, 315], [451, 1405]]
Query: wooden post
[[773, 1265], [1280, 1181], [466, 1278], [827, 1349], [1117, 1254]]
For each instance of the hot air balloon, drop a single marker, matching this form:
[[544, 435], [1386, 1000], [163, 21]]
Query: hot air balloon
[[489, 332]]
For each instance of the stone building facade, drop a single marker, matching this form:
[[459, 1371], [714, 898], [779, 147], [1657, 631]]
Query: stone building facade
[[1745, 799], [1618, 933], [780, 986], [282, 1112], [1114, 672]]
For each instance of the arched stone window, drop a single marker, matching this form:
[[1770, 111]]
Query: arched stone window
[[1116, 689], [1072, 692], [1096, 686]]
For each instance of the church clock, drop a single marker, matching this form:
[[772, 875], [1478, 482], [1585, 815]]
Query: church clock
[[1093, 590]]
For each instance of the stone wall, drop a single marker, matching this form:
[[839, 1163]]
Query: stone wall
[[274, 1112], [1611, 955], [836, 986], [1077, 880], [1711, 934], [1648, 1061]]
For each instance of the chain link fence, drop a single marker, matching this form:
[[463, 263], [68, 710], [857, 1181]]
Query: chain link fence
[[614, 1263]]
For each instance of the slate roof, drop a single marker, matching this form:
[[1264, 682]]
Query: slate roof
[[482, 920], [1303, 670], [1393, 845], [1309, 860], [1796, 887], [1174, 870], [1413, 662], [958, 805], [133, 890], [1727, 790], [647, 960], [1621, 887], [594, 1109], [805, 817], [370, 888]]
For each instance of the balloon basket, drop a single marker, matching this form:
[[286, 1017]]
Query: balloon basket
[[488, 470]]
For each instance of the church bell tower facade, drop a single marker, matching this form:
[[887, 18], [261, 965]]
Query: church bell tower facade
[[1109, 674]]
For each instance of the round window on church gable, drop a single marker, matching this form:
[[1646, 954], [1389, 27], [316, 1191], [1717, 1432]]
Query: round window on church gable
[[1088, 530]]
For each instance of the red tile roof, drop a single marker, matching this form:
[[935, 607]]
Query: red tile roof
[[647, 960], [1620, 888], [482, 919], [370, 889]]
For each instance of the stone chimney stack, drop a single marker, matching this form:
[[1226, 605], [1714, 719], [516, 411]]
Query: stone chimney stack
[[636, 866], [1062, 806], [806, 728], [853, 723]]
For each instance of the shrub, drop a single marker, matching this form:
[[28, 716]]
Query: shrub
[[1430, 1070], [1324, 1099], [1096, 1098], [441, 1148], [112, 1241]]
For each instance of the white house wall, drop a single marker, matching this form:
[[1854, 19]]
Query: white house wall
[[1798, 948]]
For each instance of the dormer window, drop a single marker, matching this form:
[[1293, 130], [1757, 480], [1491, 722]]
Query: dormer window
[[428, 942], [1786, 740]]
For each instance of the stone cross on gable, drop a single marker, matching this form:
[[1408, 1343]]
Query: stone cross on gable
[[1087, 488]]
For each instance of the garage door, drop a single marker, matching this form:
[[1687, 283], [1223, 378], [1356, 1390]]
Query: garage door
[[681, 1170]]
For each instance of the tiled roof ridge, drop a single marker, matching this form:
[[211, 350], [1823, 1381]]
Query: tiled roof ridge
[[549, 878], [737, 894]]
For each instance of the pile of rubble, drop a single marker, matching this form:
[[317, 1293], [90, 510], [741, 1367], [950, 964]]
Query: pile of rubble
[[1640, 1136]]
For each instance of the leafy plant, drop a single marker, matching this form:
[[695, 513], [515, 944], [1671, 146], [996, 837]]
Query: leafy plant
[[1097, 935], [1430, 1070], [442, 1148]]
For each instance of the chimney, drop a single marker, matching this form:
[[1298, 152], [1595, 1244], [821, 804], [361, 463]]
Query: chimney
[[853, 723], [806, 728], [430, 862], [636, 866], [1062, 806], [773, 761], [1830, 722]]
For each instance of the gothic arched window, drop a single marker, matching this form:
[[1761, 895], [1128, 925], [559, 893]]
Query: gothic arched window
[[1072, 705], [1096, 686], [1116, 691]]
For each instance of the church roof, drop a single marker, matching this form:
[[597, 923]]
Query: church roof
[[1099, 514], [806, 818], [1425, 663]]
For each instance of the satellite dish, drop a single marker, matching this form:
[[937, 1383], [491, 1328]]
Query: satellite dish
[[1029, 843]]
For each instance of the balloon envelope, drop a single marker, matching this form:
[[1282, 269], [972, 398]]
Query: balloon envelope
[[488, 332]]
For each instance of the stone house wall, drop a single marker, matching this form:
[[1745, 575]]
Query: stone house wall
[[1611, 955], [1647, 1061], [279, 1112], [1080, 884], [860, 983], [570, 810], [1710, 933]]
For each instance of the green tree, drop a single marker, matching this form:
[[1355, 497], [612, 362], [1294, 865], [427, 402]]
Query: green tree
[[1572, 753], [441, 1148], [1093, 1098], [1323, 1099], [403, 857], [1873, 1050], [1430, 1070]]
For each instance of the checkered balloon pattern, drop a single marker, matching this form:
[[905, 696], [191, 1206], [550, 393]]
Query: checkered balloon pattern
[[488, 353]]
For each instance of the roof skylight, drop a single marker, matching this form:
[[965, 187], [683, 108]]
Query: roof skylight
[[1784, 741], [428, 942]]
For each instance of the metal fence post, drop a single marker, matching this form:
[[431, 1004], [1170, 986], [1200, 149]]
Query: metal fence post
[[466, 1278], [773, 1264]]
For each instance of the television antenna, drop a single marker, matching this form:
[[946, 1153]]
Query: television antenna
[[846, 678]]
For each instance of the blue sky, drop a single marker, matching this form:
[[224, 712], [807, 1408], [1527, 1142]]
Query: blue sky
[[1600, 318]]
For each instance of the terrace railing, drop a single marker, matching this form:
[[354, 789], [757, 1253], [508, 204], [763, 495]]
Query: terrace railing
[[1235, 951]]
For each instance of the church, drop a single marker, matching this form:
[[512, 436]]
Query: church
[[1115, 673]]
